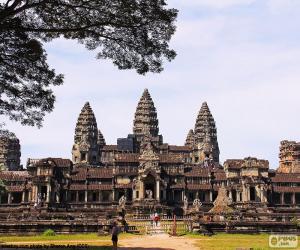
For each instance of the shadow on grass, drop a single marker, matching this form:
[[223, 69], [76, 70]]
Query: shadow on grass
[[9, 247]]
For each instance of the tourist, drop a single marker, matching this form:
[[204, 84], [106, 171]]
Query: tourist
[[156, 218], [114, 235]]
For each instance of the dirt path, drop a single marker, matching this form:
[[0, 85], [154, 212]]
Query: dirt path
[[158, 241]]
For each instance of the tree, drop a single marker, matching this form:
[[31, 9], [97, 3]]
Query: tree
[[134, 34]]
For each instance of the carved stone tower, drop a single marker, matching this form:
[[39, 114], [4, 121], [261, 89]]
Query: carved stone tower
[[86, 148], [10, 152], [205, 135], [145, 119], [190, 139]]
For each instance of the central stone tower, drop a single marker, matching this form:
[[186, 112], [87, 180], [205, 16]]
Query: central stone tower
[[145, 120]]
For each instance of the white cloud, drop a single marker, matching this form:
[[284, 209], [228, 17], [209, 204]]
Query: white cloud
[[219, 4], [279, 6]]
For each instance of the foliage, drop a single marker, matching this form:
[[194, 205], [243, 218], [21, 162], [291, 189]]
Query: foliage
[[2, 186], [134, 34], [296, 221], [49, 232]]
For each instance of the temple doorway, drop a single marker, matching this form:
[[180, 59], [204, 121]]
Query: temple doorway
[[149, 182]]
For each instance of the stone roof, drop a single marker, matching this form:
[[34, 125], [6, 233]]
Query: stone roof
[[129, 185], [246, 162], [110, 148], [50, 161], [170, 158], [14, 175], [127, 157], [16, 188], [83, 173], [282, 189], [191, 186], [177, 186], [197, 171], [283, 177], [82, 187], [179, 148]]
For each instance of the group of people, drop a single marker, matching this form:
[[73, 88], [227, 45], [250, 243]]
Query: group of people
[[115, 229], [155, 219]]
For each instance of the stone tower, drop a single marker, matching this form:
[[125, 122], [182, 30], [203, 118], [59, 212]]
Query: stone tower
[[101, 140], [289, 157], [10, 151], [86, 148], [190, 139], [145, 119], [205, 135]]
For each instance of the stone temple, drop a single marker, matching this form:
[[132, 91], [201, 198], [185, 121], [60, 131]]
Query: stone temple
[[142, 172]]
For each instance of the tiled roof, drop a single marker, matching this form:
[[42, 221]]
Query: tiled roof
[[17, 188], [14, 175], [99, 173], [179, 148], [220, 175], [198, 186], [178, 185], [129, 185], [239, 163], [286, 189], [100, 187], [130, 157], [166, 158], [282, 177], [110, 148], [77, 187], [55, 162], [198, 171], [83, 173]]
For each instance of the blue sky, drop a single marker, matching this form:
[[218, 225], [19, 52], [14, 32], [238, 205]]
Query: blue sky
[[241, 56]]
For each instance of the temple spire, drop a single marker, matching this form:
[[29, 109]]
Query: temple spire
[[85, 148], [206, 134], [145, 118], [190, 139], [101, 139]]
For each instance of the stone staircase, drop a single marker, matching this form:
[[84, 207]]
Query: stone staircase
[[155, 229]]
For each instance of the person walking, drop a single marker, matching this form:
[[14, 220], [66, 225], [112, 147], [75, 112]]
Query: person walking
[[114, 235]]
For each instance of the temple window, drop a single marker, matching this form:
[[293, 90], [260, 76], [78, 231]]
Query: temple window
[[83, 156]]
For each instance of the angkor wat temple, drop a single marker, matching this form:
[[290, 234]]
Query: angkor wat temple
[[143, 172]]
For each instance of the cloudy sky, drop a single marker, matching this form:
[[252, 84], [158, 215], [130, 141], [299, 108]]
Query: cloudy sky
[[241, 56]]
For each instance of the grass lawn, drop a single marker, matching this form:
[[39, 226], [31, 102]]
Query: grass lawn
[[234, 241], [94, 241]]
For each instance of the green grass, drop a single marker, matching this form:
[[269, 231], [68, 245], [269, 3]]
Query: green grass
[[94, 241], [224, 241]]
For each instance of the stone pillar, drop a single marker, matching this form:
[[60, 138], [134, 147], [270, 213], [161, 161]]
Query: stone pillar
[[294, 198], [48, 193], [77, 197], [23, 196], [142, 191], [157, 190], [9, 198], [211, 196], [100, 196], [281, 198], [85, 196], [182, 195], [230, 194]]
